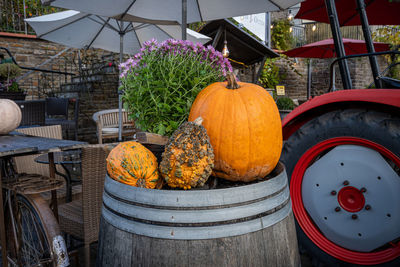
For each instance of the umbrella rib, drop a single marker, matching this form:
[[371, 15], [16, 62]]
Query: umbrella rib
[[137, 37], [198, 7], [141, 25], [312, 10], [64, 25], [126, 11], [106, 23], [273, 2], [356, 14], [98, 33], [127, 26]]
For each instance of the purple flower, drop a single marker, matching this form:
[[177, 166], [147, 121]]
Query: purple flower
[[181, 50]]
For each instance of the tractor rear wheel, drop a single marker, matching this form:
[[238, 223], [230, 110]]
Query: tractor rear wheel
[[344, 171]]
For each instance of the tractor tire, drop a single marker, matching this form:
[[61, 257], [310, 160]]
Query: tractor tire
[[344, 175]]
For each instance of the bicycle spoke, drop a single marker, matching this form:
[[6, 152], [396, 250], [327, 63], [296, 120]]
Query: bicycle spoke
[[26, 231], [37, 231], [30, 242], [33, 251]]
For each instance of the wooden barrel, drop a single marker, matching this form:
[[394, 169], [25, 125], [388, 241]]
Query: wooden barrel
[[250, 225]]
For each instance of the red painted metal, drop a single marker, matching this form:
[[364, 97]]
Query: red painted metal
[[306, 223], [331, 101], [326, 48], [379, 12], [351, 199]]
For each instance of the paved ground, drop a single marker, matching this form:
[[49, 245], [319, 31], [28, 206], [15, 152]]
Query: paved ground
[[305, 260], [79, 261]]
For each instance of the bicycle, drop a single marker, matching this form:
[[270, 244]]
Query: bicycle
[[33, 236]]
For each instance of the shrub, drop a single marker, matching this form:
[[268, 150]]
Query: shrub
[[161, 82], [285, 103], [9, 71]]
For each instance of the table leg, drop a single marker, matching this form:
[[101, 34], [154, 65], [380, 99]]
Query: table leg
[[2, 225], [52, 172], [68, 197]]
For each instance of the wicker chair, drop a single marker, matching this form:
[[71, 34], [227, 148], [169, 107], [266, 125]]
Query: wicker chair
[[26, 164], [107, 124], [57, 113], [80, 218]]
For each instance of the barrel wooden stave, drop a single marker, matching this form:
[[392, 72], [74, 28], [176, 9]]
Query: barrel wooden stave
[[252, 238], [272, 246]]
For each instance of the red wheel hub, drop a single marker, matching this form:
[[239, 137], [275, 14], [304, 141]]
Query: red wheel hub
[[351, 199], [307, 224]]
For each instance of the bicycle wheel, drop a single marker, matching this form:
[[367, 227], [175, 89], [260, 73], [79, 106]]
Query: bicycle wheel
[[39, 242]]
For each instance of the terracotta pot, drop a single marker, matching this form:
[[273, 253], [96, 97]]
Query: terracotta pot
[[284, 112], [10, 115], [13, 95]]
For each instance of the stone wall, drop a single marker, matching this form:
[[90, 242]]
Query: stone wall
[[32, 52], [95, 92], [296, 85], [99, 91]]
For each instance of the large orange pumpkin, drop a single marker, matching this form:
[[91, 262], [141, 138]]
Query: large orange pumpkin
[[244, 126]]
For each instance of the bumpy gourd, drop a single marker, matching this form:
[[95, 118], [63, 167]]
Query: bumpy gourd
[[133, 164], [188, 157], [244, 126]]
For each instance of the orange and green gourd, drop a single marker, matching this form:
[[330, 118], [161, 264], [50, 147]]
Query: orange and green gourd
[[244, 126], [188, 157], [133, 164]]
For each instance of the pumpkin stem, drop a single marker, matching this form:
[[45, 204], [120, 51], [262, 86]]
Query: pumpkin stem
[[198, 121], [232, 84]]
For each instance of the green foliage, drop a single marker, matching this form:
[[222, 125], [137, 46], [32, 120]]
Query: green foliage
[[390, 35], [14, 87], [12, 14], [285, 103], [9, 71], [161, 83], [270, 76], [281, 37], [196, 26]]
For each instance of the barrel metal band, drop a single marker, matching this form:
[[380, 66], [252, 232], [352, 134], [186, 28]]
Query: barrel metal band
[[193, 208], [249, 218], [199, 232]]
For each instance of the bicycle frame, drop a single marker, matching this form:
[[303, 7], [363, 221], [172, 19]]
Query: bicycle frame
[[44, 223]]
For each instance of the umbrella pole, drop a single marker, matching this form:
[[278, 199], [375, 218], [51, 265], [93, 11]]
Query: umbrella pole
[[368, 41], [334, 78], [309, 70], [120, 92], [339, 47], [184, 19]]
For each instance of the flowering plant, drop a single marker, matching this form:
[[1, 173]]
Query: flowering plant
[[8, 73], [161, 82]]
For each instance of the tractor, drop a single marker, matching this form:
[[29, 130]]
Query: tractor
[[342, 155]]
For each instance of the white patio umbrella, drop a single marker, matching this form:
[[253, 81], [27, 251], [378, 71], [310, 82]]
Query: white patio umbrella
[[81, 30], [173, 11]]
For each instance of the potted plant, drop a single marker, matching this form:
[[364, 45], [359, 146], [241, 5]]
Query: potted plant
[[161, 82], [285, 105], [9, 87]]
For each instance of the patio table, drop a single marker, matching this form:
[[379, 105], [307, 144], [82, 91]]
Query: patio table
[[70, 161], [17, 144]]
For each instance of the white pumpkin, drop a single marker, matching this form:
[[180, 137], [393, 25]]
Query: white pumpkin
[[10, 116]]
